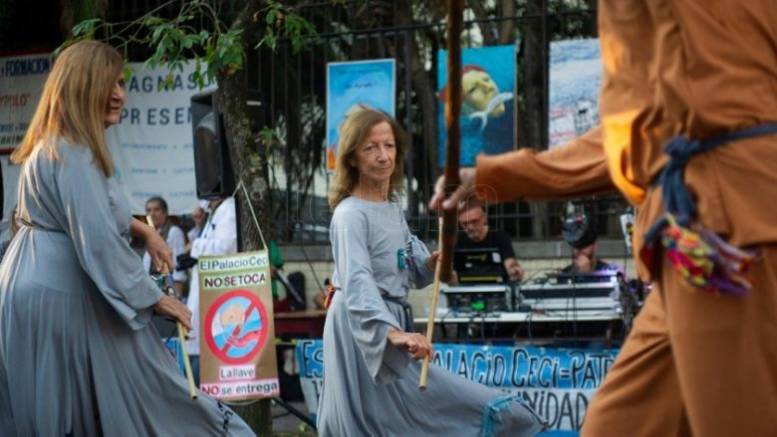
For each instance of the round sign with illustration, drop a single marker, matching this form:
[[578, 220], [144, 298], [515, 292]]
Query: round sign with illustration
[[236, 327]]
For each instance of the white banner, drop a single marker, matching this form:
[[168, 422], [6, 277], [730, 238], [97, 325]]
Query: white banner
[[21, 83], [152, 146]]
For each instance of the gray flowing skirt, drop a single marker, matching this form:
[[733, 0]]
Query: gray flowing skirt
[[353, 404], [69, 365]]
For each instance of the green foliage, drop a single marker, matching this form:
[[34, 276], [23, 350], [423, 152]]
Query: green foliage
[[198, 33], [282, 22]]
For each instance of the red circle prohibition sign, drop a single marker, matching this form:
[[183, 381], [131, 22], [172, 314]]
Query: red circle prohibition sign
[[261, 336]]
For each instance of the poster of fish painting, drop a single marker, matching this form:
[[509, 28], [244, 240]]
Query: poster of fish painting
[[487, 112]]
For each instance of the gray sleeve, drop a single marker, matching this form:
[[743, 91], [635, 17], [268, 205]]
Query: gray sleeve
[[102, 252], [368, 316], [421, 274]]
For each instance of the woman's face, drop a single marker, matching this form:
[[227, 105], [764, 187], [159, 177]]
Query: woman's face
[[374, 159], [157, 213], [115, 102]]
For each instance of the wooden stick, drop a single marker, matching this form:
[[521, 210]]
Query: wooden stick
[[453, 145], [447, 223], [165, 270], [432, 312]]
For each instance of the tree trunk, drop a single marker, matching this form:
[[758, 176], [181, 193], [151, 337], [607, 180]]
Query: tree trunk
[[250, 167], [507, 27], [424, 89]]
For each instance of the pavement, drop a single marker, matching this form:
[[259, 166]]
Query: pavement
[[285, 424]]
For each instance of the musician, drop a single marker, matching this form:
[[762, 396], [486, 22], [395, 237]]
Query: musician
[[579, 233], [476, 233], [370, 375]]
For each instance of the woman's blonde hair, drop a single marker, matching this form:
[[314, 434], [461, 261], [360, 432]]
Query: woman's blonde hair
[[74, 103], [353, 133]]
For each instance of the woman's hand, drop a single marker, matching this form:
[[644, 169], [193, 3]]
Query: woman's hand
[[159, 250], [417, 344], [173, 308], [431, 262], [155, 245]]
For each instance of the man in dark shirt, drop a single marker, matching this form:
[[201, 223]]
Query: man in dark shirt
[[476, 234], [579, 233]]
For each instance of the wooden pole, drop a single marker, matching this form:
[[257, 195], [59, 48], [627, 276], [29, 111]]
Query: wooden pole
[[432, 313], [165, 270], [452, 113], [443, 272]]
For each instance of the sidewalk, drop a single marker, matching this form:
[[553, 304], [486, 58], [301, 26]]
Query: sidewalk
[[286, 424]]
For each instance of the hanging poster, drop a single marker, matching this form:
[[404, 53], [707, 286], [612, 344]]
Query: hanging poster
[[350, 84], [487, 112], [575, 79], [152, 144], [237, 360]]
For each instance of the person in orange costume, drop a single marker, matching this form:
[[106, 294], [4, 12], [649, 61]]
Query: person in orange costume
[[694, 363]]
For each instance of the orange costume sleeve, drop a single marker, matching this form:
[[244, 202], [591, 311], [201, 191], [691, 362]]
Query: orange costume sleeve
[[577, 168]]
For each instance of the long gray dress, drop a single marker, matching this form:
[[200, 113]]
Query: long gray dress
[[77, 354], [371, 387]]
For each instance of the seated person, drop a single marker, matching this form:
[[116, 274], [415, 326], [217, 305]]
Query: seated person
[[156, 208], [476, 234], [198, 218], [578, 232]]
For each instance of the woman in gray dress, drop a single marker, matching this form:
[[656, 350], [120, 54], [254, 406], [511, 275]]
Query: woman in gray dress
[[77, 354], [370, 377]]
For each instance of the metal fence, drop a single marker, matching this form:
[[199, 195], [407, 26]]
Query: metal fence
[[293, 87]]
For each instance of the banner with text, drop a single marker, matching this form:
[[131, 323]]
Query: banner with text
[[557, 382], [21, 84], [152, 145], [237, 359]]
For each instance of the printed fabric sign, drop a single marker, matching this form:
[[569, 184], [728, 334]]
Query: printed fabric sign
[[575, 79], [21, 84], [487, 110], [557, 383], [350, 84], [237, 360], [152, 145]]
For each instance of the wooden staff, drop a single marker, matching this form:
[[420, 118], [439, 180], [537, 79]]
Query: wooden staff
[[447, 236], [165, 271], [452, 112], [432, 310]]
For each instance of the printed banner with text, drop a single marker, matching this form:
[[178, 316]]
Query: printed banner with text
[[237, 360], [21, 84], [557, 382], [152, 145]]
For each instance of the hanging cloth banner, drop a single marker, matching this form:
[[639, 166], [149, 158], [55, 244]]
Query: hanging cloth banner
[[237, 360]]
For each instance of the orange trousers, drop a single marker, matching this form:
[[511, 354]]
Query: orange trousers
[[695, 364]]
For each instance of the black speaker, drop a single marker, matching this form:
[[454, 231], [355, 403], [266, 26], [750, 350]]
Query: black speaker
[[212, 166]]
